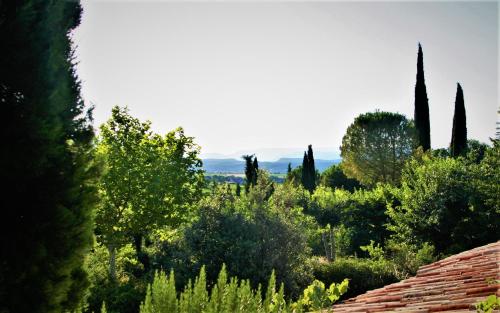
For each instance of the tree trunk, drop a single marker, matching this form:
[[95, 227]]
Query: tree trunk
[[112, 263], [325, 244]]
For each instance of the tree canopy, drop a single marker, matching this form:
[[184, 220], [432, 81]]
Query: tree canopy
[[149, 181], [375, 147]]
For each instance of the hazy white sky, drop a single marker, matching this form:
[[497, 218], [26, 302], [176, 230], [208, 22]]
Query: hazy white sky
[[260, 75]]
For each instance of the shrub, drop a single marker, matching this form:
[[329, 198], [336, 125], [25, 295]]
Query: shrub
[[233, 296], [253, 235], [122, 296], [407, 258], [361, 214], [363, 274], [448, 203], [334, 178]]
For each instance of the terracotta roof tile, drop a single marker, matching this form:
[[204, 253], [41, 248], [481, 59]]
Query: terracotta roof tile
[[451, 285]]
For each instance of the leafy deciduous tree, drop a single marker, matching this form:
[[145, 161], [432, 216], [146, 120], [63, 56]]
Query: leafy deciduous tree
[[149, 181]]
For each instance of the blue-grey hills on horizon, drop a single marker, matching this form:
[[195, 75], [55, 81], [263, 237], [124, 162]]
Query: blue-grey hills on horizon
[[233, 166]]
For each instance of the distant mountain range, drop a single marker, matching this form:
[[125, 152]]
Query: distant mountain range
[[274, 154], [233, 166]]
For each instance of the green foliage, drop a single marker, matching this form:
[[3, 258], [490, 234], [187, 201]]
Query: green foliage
[[122, 296], [375, 252], [489, 304], [448, 203], [408, 258], [316, 297], [251, 171], [363, 274], [376, 146], [233, 296], [47, 160], [150, 181], [253, 234], [294, 177], [475, 151], [334, 177], [361, 213]]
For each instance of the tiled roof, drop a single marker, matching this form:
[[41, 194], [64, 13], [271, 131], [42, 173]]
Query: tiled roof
[[454, 284]]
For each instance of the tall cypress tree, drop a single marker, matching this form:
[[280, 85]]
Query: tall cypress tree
[[305, 172], [458, 143], [248, 171], [255, 171], [422, 123], [311, 168], [308, 177], [46, 225]]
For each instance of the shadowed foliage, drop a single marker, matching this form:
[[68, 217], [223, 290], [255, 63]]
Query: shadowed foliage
[[46, 224]]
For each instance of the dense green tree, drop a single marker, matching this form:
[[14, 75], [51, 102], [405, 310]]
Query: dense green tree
[[251, 171], [334, 177], [311, 169], [255, 169], [362, 213], [253, 235], [248, 171], [295, 176], [47, 201], [422, 123], [458, 145], [149, 181], [476, 151], [304, 179], [308, 177], [449, 203], [376, 146]]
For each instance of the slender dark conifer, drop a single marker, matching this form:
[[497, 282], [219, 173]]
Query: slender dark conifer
[[255, 171], [311, 168], [458, 144], [304, 179], [248, 171], [46, 227], [422, 123]]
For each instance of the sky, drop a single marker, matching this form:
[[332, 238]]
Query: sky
[[272, 77]]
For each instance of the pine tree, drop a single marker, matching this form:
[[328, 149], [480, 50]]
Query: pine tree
[[46, 225], [422, 123], [458, 144]]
